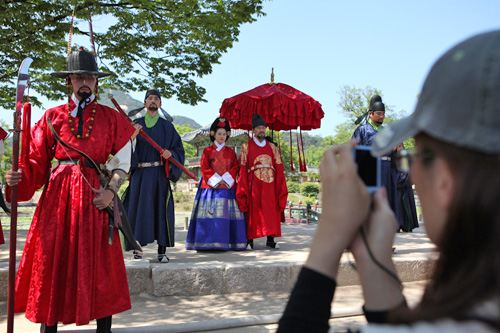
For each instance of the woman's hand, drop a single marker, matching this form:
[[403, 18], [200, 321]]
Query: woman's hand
[[380, 230], [346, 205], [381, 290]]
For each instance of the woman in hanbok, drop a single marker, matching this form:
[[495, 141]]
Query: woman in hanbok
[[216, 221]]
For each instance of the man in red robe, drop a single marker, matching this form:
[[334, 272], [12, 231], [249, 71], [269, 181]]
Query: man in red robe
[[69, 272], [261, 193]]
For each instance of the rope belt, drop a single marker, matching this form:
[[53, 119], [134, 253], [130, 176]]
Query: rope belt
[[77, 162], [149, 164], [385, 158], [260, 166]]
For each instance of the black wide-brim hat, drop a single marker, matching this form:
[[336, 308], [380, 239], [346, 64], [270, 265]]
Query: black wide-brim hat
[[81, 62]]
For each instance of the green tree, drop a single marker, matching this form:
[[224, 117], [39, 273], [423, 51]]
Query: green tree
[[167, 42], [189, 150], [354, 102], [309, 189]]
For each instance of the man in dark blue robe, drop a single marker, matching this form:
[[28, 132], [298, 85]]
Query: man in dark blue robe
[[365, 134], [148, 199]]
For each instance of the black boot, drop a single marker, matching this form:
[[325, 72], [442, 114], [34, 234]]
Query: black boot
[[48, 329], [104, 325], [250, 244], [271, 243], [162, 257]]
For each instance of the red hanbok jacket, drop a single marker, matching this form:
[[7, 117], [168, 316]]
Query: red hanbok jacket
[[220, 162]]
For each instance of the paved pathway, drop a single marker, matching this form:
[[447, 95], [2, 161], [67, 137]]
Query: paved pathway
[[212, 312]]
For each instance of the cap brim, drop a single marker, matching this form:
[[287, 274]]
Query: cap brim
[[65, 74], [393, 135]]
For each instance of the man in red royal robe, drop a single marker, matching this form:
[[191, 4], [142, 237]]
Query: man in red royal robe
[[261, 193], [69, 272]]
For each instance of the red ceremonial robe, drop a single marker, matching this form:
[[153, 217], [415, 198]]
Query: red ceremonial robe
[[261, 192], [68, 272], [220, 162]]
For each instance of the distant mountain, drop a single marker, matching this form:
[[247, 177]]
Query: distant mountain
[[127, 103], [181, 120]]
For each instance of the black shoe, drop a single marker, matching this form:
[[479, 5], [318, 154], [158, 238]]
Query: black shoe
[[250, 244], [48, 329], [273, 245], [163, 258], [137, 254]]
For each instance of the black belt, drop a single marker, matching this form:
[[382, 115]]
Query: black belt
[[88, 164]]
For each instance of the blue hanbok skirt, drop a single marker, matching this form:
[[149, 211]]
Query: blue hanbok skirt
[[216, 221]]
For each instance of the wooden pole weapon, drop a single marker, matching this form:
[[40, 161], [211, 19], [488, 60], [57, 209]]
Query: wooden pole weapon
[[22, 82], [151, 142]]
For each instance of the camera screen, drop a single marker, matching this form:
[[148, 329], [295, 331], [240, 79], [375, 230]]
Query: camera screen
[[367, 167]]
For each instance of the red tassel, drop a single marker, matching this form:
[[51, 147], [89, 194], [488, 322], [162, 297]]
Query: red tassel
[[167, 167], [166, 162], [298, 149], [291, 153], [26, 134], [303, 154]]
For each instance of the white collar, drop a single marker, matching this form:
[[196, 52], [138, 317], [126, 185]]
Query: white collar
[[84, 103], [219, 147], [258, 143]]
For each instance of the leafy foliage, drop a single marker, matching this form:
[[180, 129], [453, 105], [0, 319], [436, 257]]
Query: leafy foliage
[[354, 101], [189, 150], [293, 187], [165, 42], [309, 189]]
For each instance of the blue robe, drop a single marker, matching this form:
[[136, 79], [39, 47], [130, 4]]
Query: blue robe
[[407, 210], [365, 134], [148, 199]]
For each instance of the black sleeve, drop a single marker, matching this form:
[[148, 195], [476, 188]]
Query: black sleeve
[[380, 317], [3, 204], [309, 306]]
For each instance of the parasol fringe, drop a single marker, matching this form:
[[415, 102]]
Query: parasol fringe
[[303, 154], [298, 150]]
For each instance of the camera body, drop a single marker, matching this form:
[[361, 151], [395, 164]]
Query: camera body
[[368, 167]]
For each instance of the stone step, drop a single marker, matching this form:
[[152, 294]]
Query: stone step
[[192, 273]]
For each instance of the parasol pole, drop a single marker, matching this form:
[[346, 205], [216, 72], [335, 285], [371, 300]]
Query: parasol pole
[[22, 81]]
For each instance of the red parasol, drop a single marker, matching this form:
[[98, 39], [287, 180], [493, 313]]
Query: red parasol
[[281, 106]]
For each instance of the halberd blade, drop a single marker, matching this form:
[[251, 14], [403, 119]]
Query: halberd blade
[[22, 81]]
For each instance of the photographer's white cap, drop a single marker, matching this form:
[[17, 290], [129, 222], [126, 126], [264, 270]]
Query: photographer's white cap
[[459, 102]]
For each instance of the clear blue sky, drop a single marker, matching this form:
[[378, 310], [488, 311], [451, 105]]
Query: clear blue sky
[[318, 46]]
